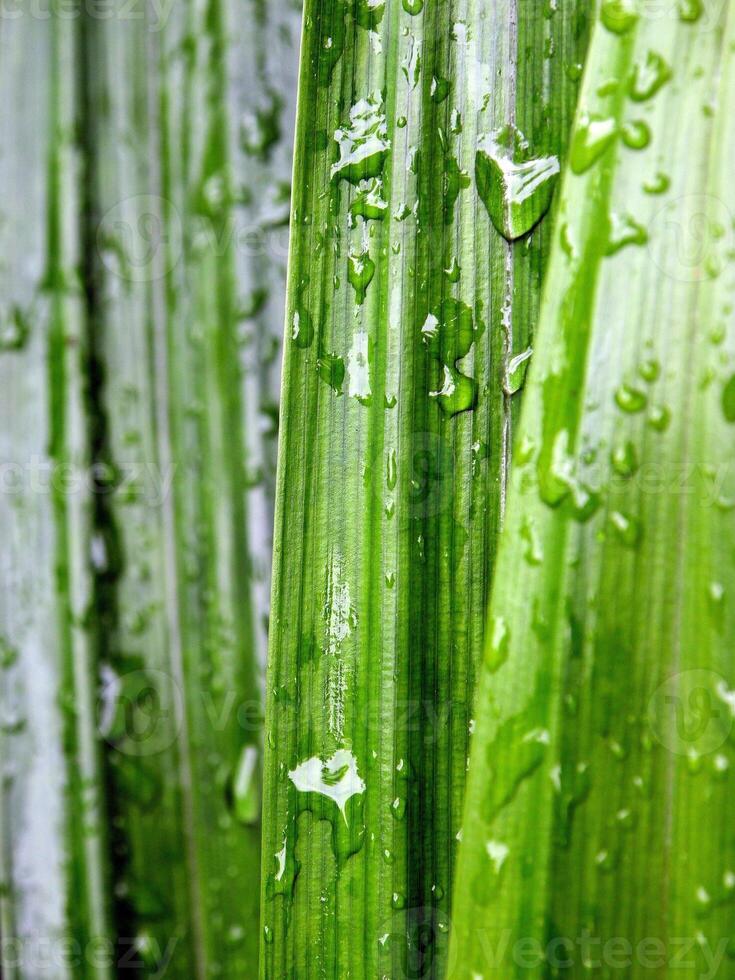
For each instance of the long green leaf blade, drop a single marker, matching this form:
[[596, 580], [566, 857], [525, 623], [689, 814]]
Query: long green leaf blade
[[408, 332], [605, 712], [53, 868]]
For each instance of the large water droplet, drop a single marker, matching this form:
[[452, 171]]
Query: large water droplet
[[449, 334], [515, 187], [337, 778], [364, 145], [369, 13]]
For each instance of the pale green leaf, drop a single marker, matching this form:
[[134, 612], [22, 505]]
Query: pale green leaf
[[598, 826], [409, 320]]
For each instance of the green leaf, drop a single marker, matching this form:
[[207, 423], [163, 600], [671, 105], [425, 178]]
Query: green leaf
[[409, 318], [597, 829], [53, 861], [187, 175]]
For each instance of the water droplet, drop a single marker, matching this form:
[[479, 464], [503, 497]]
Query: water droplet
[[337, 778], [453, 272], [690, 10], [626, 528], [8, 654], [636, 134], [728, 400], [245, 787], [499, 644], [498, 854], [650, 370], [358, 368], [592, 136], [515, 187], [360, 272], [624, 230], [15, 329], [302, 326], [624, 459], [331, 369], [413, 7], [630, 399], [533, 552], [658, 184], [398, 901], [364, 146], [439, 89], [368, 202], [516, 370], [449, 334], [268, 935], [619, 16], [369, 13], [648, 77], [398, 808], [659, 418]]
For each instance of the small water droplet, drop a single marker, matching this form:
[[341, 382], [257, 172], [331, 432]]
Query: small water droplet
[[630, 399], [690, 10], [659, 418], [331, 369], [636, 134], [245, 787], [499, 643], [648, 77], [624, 459], [498, 854], [439, 89], [592, 137], [626, 528], [658, 184], [619, 16], [360, 272], [413, 7], [728, 400], [624, 230], [15, 329], [516, 370]]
